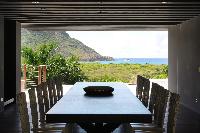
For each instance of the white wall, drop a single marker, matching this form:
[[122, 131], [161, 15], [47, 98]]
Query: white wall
[[184, 61]]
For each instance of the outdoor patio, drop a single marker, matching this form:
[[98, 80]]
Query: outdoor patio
[[180, 18], [187, 120]]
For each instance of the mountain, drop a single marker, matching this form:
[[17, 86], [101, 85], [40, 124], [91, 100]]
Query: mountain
[[67, 46]]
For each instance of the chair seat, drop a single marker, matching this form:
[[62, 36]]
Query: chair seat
[[54, 127], [146, 127], [53, 124], [50, 128]]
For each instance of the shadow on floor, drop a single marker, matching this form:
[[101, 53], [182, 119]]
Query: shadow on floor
[[187, 121]]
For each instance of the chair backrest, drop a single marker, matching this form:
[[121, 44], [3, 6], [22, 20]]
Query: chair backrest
[[41, 102], [160, 107], [139, 87], [172, 112], [33, 106], [59, 88], [145, 92], [153, 96], [23, 112]]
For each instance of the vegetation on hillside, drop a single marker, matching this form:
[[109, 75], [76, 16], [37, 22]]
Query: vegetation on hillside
[[72, 71], [66, 47], [123, 72], [56, 64]]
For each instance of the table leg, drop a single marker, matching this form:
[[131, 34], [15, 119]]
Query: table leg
[[88, 127], [95, 128], [110, 127]]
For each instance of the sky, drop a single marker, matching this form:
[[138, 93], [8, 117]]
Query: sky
[[125, 44]]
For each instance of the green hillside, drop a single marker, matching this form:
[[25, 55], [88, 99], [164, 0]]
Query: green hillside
[[67, 46]]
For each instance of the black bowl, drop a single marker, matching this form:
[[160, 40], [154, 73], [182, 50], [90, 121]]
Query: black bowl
[[98, 90]]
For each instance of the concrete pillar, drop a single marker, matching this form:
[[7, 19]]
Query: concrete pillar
[[18, 57], [12, 60], [1, 63], [173, 58]]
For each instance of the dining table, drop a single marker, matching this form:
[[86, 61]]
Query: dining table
[[99, 112]]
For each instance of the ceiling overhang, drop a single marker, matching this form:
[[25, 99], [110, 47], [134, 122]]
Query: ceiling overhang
[[99, 14]]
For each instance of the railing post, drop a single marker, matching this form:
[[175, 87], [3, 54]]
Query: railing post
[[39, 75], [44, 73], [23, 82], [24, 72]]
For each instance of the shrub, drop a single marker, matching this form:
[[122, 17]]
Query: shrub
[[56, 64], [123, 72]]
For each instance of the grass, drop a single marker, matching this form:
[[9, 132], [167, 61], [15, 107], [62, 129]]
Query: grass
[[122, 72]]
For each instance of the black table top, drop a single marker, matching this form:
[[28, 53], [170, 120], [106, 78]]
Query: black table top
[[74, 106]]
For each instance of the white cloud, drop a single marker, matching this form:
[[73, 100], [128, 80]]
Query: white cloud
[[128, 44]]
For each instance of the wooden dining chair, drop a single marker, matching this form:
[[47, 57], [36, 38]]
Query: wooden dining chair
[[159, 114], [43, 100], [24, 116], [38, 119], [174, 101]]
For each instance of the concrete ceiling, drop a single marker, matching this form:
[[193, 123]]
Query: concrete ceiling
[[99, 14]]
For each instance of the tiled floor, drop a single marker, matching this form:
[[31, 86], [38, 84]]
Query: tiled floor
[[187, 120]]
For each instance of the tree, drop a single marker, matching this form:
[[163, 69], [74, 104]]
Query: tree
[[56, 64]]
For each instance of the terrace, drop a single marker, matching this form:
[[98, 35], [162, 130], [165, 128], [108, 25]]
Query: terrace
[[180, 18]]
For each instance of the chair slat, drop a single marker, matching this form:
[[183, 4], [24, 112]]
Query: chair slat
[[46, 96], [162, 104], [139, 87], [173, 109], [157, 101], [153, 97], [23, 112], [40, 102], [33, 106], [59, 88], [55, 99], [50, 89], [145, 93]]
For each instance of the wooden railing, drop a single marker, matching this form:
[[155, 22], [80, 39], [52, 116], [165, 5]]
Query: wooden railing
[[41, 71]]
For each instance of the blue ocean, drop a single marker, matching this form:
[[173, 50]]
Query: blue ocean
[[136, 61]]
